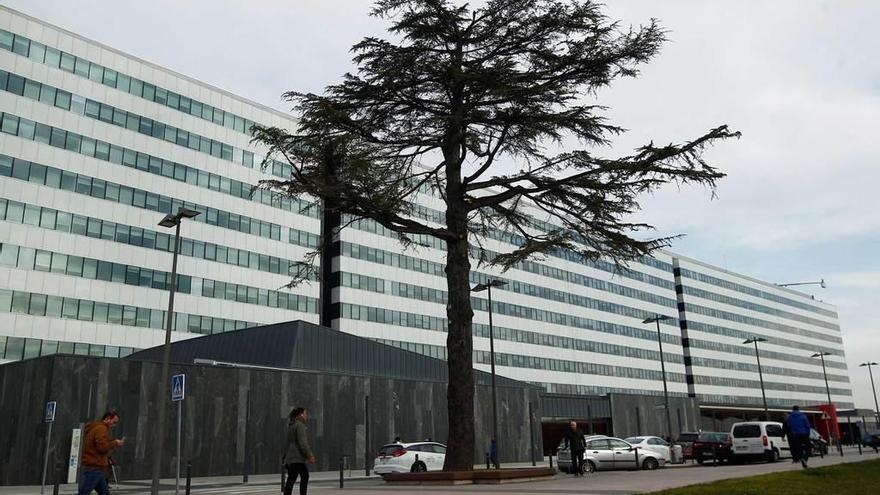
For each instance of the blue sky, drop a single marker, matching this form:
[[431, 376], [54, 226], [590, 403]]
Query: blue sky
[[798, 78]]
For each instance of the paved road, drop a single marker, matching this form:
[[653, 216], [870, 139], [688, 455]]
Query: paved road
[[603, 483]]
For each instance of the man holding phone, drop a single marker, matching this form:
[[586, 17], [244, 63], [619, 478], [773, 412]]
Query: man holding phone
[[96, 454]]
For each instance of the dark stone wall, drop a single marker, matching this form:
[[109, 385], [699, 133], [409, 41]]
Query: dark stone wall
[[633, 415], [234, 419]]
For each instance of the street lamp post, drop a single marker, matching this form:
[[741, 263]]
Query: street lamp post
[[755, 340], [161, 392], [832, 431], [487, 286], [873, 388], [657, 319]]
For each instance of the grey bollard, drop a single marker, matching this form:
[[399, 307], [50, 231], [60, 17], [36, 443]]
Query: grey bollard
[[189, 466], [342, 472], [56, 487], [487, 461]]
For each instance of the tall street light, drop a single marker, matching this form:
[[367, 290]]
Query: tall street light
[[161, 391], [755, 340], [873, 389], [657, 319], [832, 431], [487, 286]]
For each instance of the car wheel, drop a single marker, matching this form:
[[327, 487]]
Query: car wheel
[[650, 464], [700, 461], [773, 456], [418, 467], [589, 467]]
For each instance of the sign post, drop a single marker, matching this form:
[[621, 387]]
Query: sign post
[[178, 392], [73, 460], [48, 417]]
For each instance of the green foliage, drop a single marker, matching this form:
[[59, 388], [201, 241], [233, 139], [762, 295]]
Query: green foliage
[[462, 91], [851, 479]]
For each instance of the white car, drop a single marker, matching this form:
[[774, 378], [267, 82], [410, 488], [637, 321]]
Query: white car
[[410, 458], [759, 439], [654, 444], [606, 453]]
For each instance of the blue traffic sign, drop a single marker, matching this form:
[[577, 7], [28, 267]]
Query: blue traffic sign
[[50, 412], [178, 387]]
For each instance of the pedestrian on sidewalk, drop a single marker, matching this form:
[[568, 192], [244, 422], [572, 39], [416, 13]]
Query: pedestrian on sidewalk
[[797, 429], [96, 454], [574, 440], [298, 452], [493, 452]]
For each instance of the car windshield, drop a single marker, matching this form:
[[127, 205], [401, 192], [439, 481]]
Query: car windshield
[[746, 431], [390, 449], [688, 437], [713, 437]]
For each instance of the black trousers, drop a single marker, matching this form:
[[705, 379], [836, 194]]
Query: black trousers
[[800, 447], [577, 461], [293, 470]]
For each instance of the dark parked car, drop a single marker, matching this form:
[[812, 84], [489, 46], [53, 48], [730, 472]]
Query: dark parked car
[[711, 445], [818, 444], [686, 440], [872, 440]]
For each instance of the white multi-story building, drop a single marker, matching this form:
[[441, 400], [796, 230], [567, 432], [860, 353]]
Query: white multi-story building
[[96, 146]]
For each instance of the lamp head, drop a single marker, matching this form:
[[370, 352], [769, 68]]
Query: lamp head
[[493, 282], [656, 318], [169, 221], [755, 339], [187, 213], [869, 363], [820, 354]]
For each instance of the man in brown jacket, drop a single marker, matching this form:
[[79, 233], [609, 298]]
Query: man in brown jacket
[[96, 454]]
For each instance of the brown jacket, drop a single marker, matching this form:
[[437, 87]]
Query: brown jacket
[[97, 445]]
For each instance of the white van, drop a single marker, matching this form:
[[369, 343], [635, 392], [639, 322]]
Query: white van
[[759, 439]]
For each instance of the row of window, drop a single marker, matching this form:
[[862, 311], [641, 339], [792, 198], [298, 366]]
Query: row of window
[[756, 322], [727, 284], [52, 57], [367, 225], [97, 188], [581, 368], [721, 381], [79, 105], [751, 401], [503, 333], [115, 314], [400, 289], [714, 345], [48, 218], [47, 261], [402, 261], [102, 150], [731, 301], [17, 348], [765, 369]]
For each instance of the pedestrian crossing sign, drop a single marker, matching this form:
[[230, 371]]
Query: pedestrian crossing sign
[[178, 387]]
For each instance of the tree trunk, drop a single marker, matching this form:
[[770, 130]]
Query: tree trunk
[[459, 345]]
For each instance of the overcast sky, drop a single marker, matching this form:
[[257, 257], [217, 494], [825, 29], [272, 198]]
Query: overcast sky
[[798, 78]]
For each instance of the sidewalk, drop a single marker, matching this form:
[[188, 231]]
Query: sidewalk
[[600, 483], [256, 483]]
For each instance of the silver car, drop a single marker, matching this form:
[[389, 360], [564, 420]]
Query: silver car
[[607, 453]]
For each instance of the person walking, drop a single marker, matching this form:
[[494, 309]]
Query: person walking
[[797, 428], [574, 440], [96, 449], [493, 452], [298, 452]]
